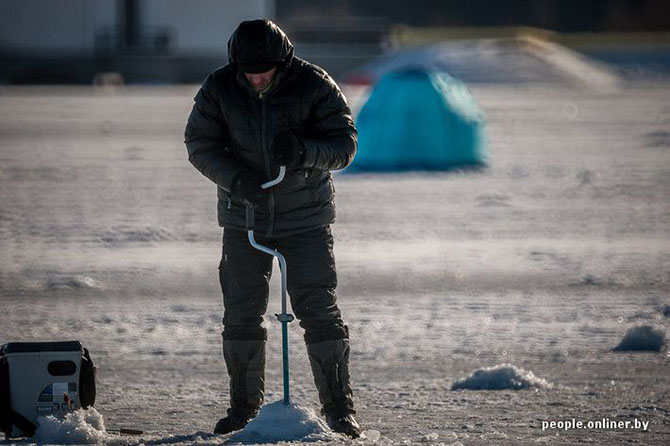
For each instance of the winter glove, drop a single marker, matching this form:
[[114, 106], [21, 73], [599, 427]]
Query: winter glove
[[247, 186], [287, 150]]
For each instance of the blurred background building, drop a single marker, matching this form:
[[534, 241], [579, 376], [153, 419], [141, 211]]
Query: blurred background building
[[146, 41], [175, 41]]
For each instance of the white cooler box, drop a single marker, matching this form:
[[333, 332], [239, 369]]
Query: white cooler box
[[42, 378]]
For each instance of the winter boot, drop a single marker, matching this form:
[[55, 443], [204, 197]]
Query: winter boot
[[229, 424], [245, 361], [330, 367], [346, 425]]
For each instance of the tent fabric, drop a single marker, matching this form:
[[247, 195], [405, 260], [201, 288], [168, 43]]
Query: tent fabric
[[419, 120]]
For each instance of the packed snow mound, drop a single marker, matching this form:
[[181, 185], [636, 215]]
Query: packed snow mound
[[78, 427], [501, 377], [279, 422], [642, 338]]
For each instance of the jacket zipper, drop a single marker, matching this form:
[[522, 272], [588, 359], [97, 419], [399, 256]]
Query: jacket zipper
[[266, 159]]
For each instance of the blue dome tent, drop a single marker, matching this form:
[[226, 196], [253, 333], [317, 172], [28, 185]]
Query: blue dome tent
[[419, 120]]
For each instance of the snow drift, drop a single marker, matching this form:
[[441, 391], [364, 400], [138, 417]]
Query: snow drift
[[500, 377]]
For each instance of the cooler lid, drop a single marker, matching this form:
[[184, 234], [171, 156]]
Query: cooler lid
[[36, 347]]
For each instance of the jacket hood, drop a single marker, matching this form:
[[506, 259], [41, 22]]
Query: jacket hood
[[259, 45]]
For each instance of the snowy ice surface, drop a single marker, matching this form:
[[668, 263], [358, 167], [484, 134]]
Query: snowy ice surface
[[280, 422], [642, 338], [500, 377], [109, 236]]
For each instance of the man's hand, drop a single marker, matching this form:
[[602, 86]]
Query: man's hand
[[247, 186], [287, 150]]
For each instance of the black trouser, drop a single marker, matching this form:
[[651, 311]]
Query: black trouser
[[245, 274]]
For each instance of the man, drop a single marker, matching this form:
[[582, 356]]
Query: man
[[268, 108]]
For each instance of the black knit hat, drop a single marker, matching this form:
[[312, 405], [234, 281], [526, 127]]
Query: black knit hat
[[259, 45]]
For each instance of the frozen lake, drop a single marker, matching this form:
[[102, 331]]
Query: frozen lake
[[542, 260]]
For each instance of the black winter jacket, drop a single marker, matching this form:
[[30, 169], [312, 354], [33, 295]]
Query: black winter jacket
[[231, 127]]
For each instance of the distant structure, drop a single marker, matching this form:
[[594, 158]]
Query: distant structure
[[181, 41], [556, 15], [159, 41], [339, 44], [147, 41]]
